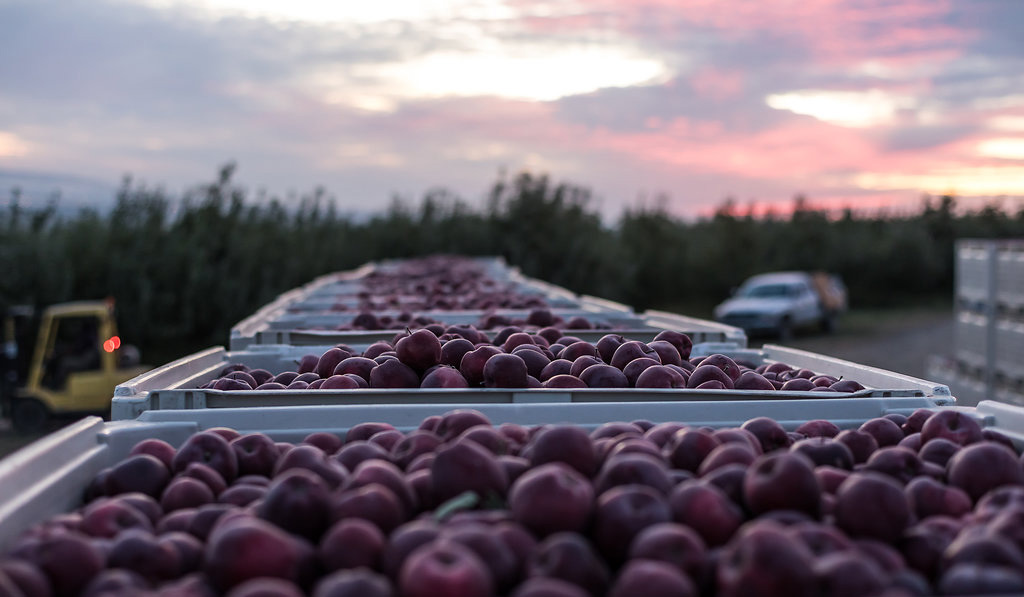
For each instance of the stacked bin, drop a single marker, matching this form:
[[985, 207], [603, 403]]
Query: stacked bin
[[302, 322], [988, 355], [314, 314], [175, 402]]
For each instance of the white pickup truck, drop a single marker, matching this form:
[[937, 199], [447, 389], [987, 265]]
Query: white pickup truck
[[782, 302]]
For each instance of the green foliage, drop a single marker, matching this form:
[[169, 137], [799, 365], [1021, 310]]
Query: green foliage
[[184, 270]]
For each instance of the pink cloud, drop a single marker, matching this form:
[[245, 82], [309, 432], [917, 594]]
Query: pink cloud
[[801, 147], [717, 84], [834, 32]]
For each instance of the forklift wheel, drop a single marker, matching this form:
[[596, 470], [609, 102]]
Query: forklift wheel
[[29, 416]]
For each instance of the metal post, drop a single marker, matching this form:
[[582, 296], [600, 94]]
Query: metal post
[[990, 310]]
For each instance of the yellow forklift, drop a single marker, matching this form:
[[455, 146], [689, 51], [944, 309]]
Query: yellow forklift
[[77, 360]]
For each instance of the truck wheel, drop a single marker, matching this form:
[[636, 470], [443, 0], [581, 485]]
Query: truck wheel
[[828, 323], [29, 416]]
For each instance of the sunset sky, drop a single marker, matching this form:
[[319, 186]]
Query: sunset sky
[[858, 103]]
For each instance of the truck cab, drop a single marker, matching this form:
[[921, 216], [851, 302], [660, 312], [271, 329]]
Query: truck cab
[[781, 302], [76, 362]]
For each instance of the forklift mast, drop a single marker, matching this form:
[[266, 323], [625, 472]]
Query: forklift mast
[[16, 344]]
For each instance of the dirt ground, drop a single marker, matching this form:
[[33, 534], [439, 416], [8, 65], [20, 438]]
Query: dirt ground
[[897, 340]]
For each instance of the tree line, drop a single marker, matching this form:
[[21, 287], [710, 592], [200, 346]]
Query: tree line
[[184, 270]]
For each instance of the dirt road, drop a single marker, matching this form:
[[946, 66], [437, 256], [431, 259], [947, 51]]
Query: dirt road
[[897, 340]]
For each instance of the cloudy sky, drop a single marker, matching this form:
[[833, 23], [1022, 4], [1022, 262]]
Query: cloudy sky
[[858, 103]]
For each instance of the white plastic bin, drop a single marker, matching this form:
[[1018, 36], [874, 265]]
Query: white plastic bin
[[175, 386], [49, 476]]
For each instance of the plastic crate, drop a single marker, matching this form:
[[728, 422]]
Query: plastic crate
[[974, 271], [1009, 275], [343, 288], [319, 330], [1008, 360], [311, 307], [176, 386], [971, 339], [49, 476]]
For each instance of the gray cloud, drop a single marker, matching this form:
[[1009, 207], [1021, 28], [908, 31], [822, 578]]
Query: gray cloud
[[108, 87]]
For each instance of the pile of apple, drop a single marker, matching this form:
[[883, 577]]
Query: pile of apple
[[441, 282], [535, 320], [929, 503], [464, 357]]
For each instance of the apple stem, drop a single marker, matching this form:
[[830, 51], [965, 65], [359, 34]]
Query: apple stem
[[464, 501]]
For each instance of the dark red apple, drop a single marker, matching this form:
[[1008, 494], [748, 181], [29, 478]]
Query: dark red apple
[[563, 443], [825, 451], [163, 451], [444, 568], [388, 475], [660, 376], [578, 349], [553, 368], [709, 373], [248, 547], [313, 459], [928, 497], [687, 448], [861, 444], [570, 557], [455, 422], [403, 540], [373, 502], [329, 360], [297, 501], [359, 582], [621, 513], [186, 492], [953, 425], [505, 371], [542, 586], [351, 543], [141, 472], [472, 364], [725, 454], [631, 350], [633, 469], [674, 544], [413, 445], [642, 578], [394, 374], [211, 449], [582, 363], [818, 428], [848, 574], [763, 560], [768, 432], [872, 505], [564, 382], [634, 368], [444, 376], [897, 462], [360, 366], [467, 466], [607, 345], [604, 376], [978, 468], [681, 341], [256, 454], [782, 481]]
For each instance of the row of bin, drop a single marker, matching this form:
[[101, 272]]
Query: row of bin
[[171, 403]]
